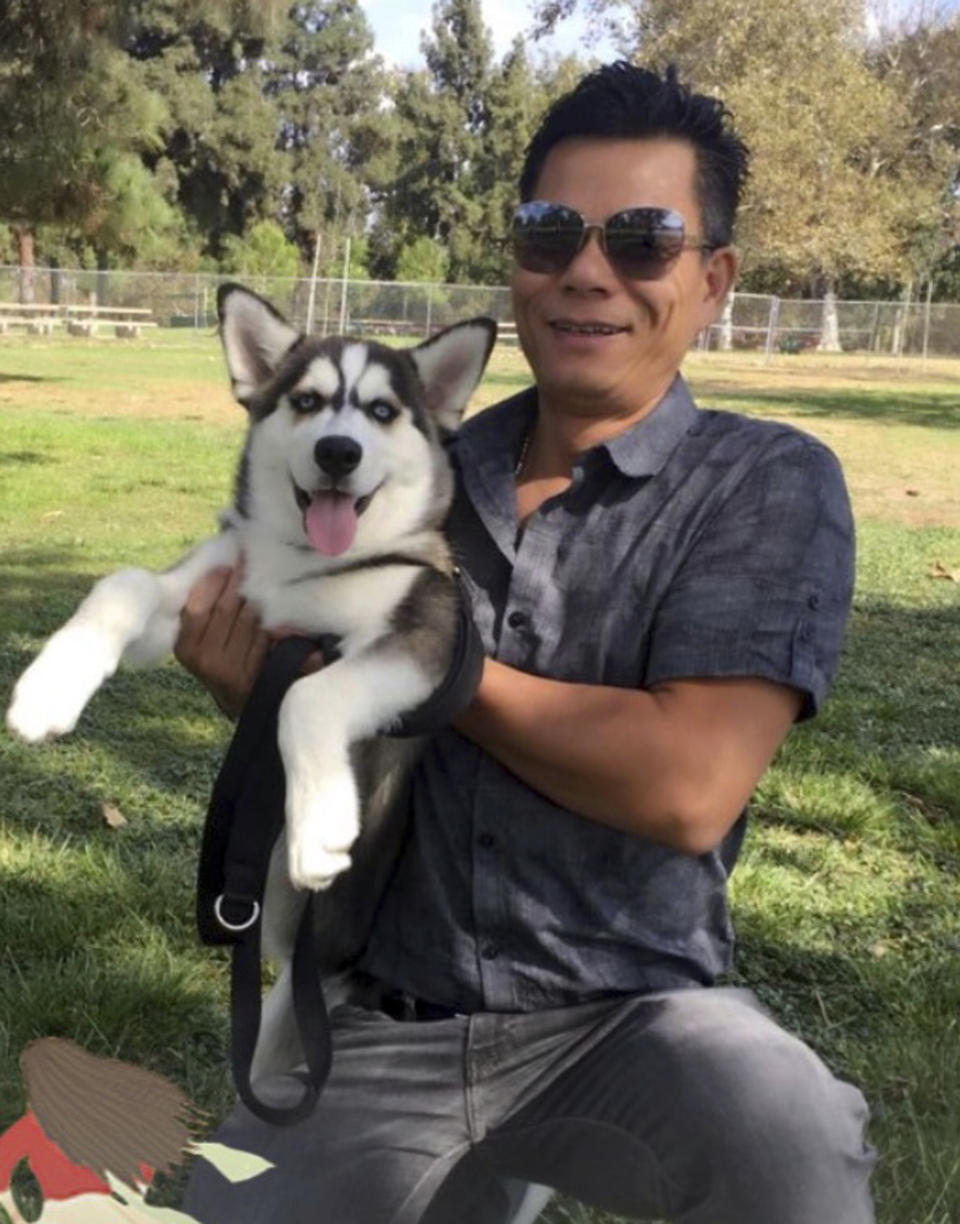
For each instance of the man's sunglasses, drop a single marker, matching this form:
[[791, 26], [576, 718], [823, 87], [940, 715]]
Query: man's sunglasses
[[640, 243]]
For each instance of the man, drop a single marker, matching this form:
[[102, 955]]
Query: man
[[661, 593]]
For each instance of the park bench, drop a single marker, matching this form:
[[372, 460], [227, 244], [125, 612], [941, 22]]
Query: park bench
[[127, 321], [41, 318], [38, 319]]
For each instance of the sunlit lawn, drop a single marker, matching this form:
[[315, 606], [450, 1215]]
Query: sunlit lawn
[[846, 900]]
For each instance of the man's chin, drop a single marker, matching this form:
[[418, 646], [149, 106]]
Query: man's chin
[[581, 387]]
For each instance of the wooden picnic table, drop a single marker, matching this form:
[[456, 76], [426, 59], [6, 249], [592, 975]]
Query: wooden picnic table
[[41, 318], [96, 312]]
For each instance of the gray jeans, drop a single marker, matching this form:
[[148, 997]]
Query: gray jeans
[[691, 1106]]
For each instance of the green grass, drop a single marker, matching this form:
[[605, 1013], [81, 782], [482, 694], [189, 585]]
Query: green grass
[[846, 898]]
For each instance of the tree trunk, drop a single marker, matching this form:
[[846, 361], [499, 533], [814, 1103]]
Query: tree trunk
[[103, 280], [900, 325], [26, 259], [726, 326], [830, 325]]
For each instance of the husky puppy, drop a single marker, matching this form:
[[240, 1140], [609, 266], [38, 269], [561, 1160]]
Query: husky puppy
[[341, 492]]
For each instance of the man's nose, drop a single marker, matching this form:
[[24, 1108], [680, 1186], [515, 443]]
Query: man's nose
[[590, 264], [337, 455]]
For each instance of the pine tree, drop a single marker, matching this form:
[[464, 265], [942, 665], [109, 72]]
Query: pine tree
[[327, 90], [440, 115], [74, 115]]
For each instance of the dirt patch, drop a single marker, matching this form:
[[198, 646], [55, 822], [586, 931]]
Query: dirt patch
[[191, 401]]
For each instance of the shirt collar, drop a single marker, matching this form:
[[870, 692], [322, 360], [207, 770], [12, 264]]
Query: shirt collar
[[644, 448], [496, 436]]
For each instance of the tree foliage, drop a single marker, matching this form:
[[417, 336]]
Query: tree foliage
[[264, 251], [837, 193], [196, 133], [76, 117]]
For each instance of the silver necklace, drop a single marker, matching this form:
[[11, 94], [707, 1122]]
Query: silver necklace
[[522, 458]]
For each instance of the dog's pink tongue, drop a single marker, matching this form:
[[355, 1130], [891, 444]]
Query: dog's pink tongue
[[331, 522]]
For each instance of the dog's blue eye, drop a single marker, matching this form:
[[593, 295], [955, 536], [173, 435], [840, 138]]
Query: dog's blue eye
[[306, 401], [382, 411]]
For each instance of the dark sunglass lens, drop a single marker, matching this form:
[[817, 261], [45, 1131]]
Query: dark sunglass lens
[[545, 236], [643, 242]]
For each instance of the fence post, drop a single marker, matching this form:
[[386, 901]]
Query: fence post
[[312, 298], [429, 313], [343, 291], [772, 322]]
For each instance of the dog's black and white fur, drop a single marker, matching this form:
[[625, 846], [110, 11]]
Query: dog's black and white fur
[[341, 492]]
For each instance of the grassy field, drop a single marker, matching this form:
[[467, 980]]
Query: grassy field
[[846, 899]]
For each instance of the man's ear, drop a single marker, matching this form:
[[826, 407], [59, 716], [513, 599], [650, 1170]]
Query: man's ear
[[255, 337], [720, 274], [451, 364]]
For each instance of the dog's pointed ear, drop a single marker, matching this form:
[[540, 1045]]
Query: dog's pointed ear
[[451, 364], [254, 336]]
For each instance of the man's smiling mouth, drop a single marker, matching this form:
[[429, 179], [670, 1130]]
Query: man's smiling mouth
[[575, 328]]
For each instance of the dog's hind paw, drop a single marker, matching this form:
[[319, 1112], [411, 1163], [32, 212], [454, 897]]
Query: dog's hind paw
[[51, 694], [314, 867], [323, 822]]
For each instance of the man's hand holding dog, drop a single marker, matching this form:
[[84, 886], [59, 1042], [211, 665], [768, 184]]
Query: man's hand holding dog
[[221, 641]]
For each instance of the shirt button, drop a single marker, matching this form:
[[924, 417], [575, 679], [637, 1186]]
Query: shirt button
[[490, 951], [487, 841], [813, 601], [518, 620]]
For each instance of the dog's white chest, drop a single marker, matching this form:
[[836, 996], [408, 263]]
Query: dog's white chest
[[357, 605]]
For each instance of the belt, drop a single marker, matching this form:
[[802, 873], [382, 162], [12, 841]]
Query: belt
[[399, 1005]]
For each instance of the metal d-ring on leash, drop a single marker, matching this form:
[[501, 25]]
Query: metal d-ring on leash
[[236, 926]]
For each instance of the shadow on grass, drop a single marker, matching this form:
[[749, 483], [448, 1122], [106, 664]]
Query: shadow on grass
[[24, 458], [80, 964], [153, 734], [33, 378], [934, 410], [97, 923]]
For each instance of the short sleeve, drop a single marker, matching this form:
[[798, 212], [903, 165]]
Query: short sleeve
[[766, 585]]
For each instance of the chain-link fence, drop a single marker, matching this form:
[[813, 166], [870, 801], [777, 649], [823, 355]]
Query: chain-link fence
[[325, 306], [792, 325], [766, 324]]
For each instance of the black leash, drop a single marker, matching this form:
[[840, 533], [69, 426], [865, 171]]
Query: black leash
[[244, 819]]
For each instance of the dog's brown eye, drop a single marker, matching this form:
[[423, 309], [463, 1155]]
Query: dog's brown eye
[[306, 401], [382, 411]]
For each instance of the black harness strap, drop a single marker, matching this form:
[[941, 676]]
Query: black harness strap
[[245, 816]]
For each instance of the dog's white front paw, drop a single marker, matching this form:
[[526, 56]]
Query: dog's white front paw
[[50, 695], [323, 822]]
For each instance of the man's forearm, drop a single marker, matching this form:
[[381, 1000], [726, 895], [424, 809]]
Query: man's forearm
[[676, 765]]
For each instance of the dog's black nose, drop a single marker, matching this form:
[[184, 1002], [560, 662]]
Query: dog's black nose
[[337, 455]]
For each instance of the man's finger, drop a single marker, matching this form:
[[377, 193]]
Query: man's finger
[[313, 663], [205, 592]]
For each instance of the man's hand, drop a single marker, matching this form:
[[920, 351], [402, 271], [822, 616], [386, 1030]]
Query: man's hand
[[221, 641]]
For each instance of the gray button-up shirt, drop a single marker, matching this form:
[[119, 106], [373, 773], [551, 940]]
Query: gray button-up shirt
[[695, 544]]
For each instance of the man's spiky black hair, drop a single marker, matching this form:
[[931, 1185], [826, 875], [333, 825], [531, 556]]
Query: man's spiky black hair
[[622, 101]]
